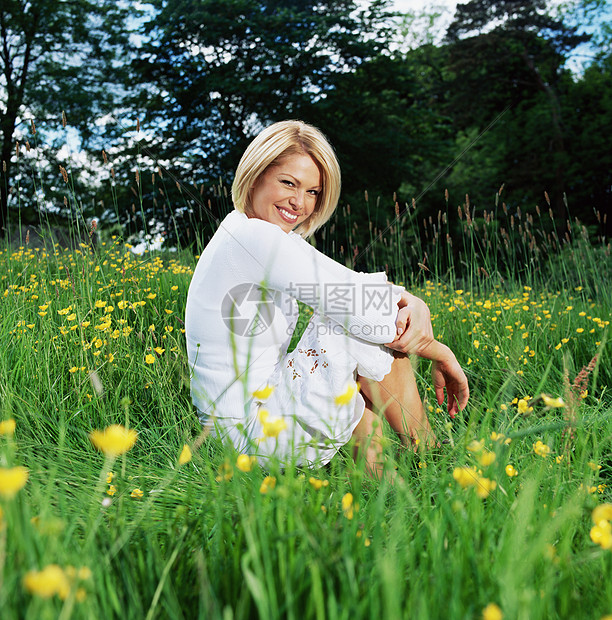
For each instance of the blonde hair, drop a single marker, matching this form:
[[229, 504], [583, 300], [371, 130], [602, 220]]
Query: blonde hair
[[270, 147]]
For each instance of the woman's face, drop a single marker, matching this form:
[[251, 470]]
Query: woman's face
[[286, 194]]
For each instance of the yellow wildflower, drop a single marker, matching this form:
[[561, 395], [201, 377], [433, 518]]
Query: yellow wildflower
[[594, 466], [7, 427], [347, 396], [541, 449], [603, 512], [12, 480], [552, 402], [271, 426], [347, 505], [109, 477], [80, 595], [264, 393], [559, 458], [112, 489], [601, 534], [150, 359], [317, 484], [465, 476], [523, 406], [484, 486], [486, 458], [114, 440], [47, 582], [226, 472], [245, 463], [136, 494], [492, 612], [475, 445], [510, 471], [100, 304], [267, 484], [185, 455]]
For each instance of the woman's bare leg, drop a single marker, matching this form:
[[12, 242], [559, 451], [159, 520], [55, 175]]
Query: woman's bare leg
[[368, 442], [397, 396]]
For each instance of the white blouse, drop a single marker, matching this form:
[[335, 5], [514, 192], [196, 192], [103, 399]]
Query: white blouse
[[241, 313]]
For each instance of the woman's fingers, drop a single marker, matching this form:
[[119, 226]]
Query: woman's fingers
[[413, 326]]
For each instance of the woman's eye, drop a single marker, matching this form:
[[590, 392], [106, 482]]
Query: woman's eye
[[314, 192], [286, 182]]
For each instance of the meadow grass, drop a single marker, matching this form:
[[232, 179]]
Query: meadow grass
[[500, 515]]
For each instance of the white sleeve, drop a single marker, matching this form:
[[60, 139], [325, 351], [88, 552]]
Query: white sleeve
[[365, 305]]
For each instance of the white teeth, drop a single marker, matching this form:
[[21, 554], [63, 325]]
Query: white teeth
[[287, 214]]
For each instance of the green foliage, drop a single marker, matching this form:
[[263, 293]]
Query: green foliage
[[59, 61], [206, 539]]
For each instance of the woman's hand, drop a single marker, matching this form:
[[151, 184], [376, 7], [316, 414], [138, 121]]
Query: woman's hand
[[414, 331], [446, 373]]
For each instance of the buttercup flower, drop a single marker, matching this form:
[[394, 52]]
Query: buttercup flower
[[347, 505], [484, 486], [185, 455], [47, 582], [267, 484], [492, 612], [465, 476], [317, 484], [264, 393], [114, 440], [486, 458], [136, 494], [523, 406], [475, 445], [347, 396], [109, 477], [510, 471], [245, 463], [7, 427], [603, 512], [601, 534], [541, 449], [552, 402], [271, 426], [12, 480]]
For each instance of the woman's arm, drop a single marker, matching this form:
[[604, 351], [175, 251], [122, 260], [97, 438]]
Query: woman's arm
[[365, 306], [446, 373]]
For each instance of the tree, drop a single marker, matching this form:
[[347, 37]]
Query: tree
[[217, 71], [58, 59], [510, 55]]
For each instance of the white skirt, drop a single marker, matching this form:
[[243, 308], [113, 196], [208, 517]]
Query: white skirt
[[306, 384]]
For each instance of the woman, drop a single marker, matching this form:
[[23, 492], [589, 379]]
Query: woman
[[351, 361]]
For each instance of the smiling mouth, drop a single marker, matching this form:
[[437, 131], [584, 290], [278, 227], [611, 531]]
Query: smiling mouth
[[286, 215]]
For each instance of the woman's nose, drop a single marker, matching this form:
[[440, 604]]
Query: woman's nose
[[297, 199]]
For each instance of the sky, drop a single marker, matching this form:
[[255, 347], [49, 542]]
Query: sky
[[446, 8]]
